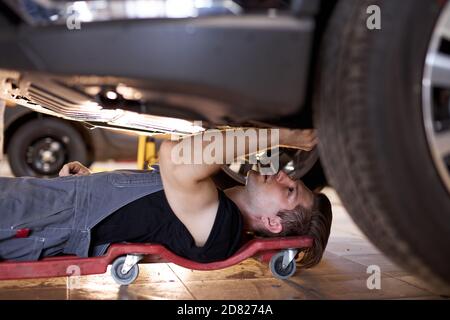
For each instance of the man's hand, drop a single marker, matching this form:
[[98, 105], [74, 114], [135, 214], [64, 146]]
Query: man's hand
[[304, 139], [74, 168]]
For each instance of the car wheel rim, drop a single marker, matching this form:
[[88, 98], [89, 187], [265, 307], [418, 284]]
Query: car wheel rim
[[436, 96], [46, 156]]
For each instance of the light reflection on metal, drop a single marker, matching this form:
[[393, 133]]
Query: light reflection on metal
[[91, 112], [47, 12], [111, 95]]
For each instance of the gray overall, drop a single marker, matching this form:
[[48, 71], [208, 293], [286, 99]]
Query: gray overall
[[59, 213]]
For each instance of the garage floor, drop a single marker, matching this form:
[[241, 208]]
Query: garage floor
[[342, 274]]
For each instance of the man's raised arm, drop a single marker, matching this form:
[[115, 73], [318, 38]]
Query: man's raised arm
[[197, 157]]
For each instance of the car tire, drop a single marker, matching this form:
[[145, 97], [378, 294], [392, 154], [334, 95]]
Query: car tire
[[368, 111], [40, 147]]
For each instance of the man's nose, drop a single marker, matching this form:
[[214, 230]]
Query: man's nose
[[281, 176]]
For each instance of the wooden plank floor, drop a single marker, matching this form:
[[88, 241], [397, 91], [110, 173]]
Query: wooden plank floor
[[342, 274]]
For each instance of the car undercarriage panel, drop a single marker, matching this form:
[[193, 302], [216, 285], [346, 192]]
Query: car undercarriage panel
[[218, 69]]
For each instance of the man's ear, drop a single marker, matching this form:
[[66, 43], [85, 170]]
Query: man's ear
[[272, 224]]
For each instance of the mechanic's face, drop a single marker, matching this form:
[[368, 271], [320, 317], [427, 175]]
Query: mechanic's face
[[270, 194]]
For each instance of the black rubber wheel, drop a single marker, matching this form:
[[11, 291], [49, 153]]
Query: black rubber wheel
[[40, 147], [368, 111], [119, 277], [276, 267]]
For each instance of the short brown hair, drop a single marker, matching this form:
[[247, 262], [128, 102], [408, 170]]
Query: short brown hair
[[314, 222]]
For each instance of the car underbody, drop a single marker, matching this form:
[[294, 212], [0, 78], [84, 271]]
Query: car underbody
[[223, 70], [378, 97]]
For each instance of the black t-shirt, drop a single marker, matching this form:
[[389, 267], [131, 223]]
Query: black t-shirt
[[151, 220]]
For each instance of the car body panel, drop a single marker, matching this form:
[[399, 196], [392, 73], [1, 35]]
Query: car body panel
[[220, 69]]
